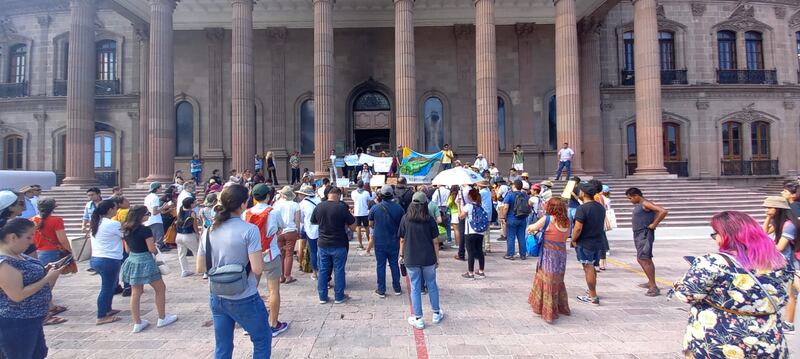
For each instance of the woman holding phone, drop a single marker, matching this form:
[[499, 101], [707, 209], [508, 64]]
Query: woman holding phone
[[25, 293], [51, 240]]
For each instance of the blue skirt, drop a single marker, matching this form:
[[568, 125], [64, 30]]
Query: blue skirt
[[140, 268]]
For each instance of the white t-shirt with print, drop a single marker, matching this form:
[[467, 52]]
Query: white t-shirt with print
[[565, 154]]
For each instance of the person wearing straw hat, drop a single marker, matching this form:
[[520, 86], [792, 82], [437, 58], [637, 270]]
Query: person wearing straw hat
[[309, 232], [28, 192], [546, 193], [782, 222], [289, 214]]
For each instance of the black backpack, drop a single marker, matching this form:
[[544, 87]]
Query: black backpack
[[404, 197], [521, 209]]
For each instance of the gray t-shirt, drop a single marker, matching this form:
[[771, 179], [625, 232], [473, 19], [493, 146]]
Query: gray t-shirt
[[231, 243]]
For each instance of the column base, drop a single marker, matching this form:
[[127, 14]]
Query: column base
[[652, 173], [78, 182], [160, 178]]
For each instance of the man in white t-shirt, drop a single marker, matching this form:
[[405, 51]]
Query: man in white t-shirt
[[565, 155], [289, 214], [481, 164], [154, 222], [361, 198], [309, 231], [188, 191]]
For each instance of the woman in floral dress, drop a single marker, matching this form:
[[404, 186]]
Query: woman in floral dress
[[548, 296], [732, 315]]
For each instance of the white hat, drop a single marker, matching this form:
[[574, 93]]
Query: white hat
[[7, 199]]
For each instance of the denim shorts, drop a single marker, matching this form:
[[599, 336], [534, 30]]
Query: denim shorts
[[588, 256]]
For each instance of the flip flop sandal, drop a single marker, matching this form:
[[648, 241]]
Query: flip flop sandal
[[653, 292], [57, 309], [108, 320], [290, 280], [54, 320], [113, 312]]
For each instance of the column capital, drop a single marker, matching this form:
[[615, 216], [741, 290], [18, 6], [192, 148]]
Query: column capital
[[141, 31], [321, 1], [277, 35], [555, 2], [248, 3], [40, 117], [215, 34], [524, 29], [397, 1], [475, 2], [169, 3]]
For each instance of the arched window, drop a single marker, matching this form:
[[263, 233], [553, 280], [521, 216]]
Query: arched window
[[732, 140], [666, 45], [13, 148], [631, 134], [184, 129], [671, 132], [103, 151], [755, 50], [16, 69], [726, 44], [372, 101], [552, 124], [307, 127], [434, 124], [106, 60], [501, 123], [627, 39], [759, 136]]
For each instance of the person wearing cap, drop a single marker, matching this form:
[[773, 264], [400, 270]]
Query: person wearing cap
[[28, 192], [384, 222], [155, 222], [518, 158], [587, 238], [526, 185], [419, 253], [481, 164], [309, 232], [645, 218], [782, 222], [332, 216], [546, 192], [288, 212]]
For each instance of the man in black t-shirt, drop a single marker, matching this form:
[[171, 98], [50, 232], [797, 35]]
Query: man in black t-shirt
[[587, 238], [332, 216]]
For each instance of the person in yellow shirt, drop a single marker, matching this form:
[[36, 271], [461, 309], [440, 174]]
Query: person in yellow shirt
[[123, 206], [447, 157]]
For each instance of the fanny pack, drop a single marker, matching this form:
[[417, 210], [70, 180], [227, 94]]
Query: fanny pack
[[227, 280]]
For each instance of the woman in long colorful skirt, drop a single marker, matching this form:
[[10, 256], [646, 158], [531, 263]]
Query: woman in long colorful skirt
[[548, 296]]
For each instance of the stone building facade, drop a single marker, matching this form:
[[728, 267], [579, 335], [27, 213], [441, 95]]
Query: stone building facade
[[320, 75]]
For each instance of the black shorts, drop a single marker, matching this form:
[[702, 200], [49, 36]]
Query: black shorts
[[643, 241], [362, 221]]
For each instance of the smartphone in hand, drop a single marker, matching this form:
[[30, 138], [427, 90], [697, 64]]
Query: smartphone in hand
[[63, 262]]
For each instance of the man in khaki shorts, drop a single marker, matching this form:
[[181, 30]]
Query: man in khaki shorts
[[267, 222]]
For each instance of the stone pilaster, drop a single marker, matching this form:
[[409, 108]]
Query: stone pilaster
[[41, 126], [277, 47], [215, 37], [568, 97], [80, 95], [143, 39], [527, 132], [464, 106], [592, 125], [405, 74], [243, 126], [40, 87], [161, 98], [486, 80], [324, 130], [649, 143]]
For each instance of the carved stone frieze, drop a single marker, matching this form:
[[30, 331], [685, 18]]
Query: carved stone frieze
[[795, 20], [789, 105], [40, 116], [44, 20], [7, 28], [524, 30], [142, 32], [743, 18], [698, 8], [780, 12], [607, 106]]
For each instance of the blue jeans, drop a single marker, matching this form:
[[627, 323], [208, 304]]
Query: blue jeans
[[331, 262], [251, 314], [312, 249], [416, 275], [22, 338], [571, 213], [447, 166], [382, 255], [108, 269], [196, 176], [564, 165], [48, 256], [158, 233], [515, 229]]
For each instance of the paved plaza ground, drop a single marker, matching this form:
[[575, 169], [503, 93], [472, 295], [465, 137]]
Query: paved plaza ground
[[487, 318]]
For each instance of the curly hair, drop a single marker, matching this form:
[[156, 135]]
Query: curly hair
[[557, 208]]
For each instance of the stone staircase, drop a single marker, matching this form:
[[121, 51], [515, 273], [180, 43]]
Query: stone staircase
[[690, 202]]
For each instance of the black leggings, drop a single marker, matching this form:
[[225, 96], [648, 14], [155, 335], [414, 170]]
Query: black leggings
[[474, 251]]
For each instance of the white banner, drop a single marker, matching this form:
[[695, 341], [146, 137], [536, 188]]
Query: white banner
[[342, 182], [351, 160], [382, 164], [365, 158]]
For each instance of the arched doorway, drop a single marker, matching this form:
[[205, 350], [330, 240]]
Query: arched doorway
[[372, 120]]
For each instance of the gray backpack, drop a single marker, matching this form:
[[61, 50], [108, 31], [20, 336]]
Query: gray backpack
[[227, 280]]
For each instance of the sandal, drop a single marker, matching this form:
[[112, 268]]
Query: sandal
[[113, 312], [290, 280], [107, 320], [653, 292], [467, 276], [57, 309], [52, 320]]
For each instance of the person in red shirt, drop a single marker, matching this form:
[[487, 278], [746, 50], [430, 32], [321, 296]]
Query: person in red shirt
[[50, 239]]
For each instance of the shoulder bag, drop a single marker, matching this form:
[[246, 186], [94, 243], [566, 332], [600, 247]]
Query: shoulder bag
[[227, 280], [63, 252], [534, 242], [735, 266]]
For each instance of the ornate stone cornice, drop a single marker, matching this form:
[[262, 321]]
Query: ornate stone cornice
[[464, 31], [795, 20], [51, 104], [215, 34], [743, 18], [698, 8], [524, 29], [277, 35]]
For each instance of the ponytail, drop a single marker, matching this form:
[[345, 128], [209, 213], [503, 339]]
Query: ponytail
[[46, 207], [101, 210], [230, 200]]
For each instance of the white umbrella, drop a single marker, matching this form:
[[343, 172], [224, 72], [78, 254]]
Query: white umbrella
[[456, 177]]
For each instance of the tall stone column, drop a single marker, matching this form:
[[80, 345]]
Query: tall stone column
[[592, 127], [324, 131], [568, 97], [243, 124], [161, 99], [143, 37], [486, 80], [649, 145], [215, 37], [405, 74], [80, 95]]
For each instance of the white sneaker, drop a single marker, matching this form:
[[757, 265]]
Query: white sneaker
[[416, 323], [141, 326], [437, 317], [168, 319], [186, 274]]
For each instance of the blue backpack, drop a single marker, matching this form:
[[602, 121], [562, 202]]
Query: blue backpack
[[534, 242], [480, 220]]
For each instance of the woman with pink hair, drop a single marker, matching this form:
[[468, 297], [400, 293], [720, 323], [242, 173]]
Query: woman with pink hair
[[736, 294]]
